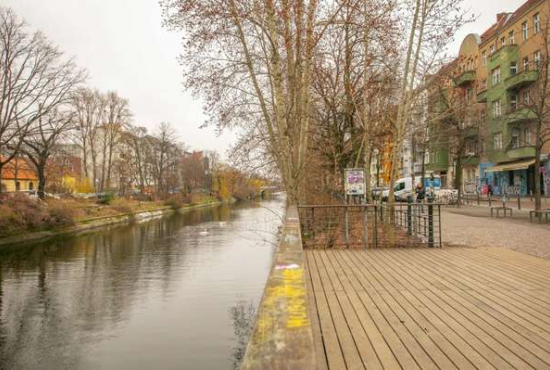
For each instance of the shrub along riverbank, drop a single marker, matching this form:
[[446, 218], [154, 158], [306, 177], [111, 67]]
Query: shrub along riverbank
[[21, 214]]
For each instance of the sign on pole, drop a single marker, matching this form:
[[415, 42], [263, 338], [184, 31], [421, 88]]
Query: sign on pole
[[355, 181]]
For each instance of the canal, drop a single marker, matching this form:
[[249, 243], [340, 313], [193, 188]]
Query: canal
[[173, 293]]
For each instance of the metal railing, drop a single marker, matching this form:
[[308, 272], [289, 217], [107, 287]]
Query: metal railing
[[371, 225]]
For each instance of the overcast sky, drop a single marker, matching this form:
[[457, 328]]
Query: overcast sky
[[124, 47]]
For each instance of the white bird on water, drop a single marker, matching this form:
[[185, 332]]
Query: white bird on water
[[204, 232]]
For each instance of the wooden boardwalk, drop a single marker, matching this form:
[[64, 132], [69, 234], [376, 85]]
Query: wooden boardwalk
[[451, 308]]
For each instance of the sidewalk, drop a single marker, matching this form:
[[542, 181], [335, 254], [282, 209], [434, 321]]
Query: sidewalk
[[527, 203], [473, 226]]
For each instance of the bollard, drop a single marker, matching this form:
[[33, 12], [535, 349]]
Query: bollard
[[430, 223], [409, 216], [519, 202], [478, 198], [489, 196]]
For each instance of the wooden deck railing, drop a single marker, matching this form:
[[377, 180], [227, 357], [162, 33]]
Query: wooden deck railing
[[282, 337]]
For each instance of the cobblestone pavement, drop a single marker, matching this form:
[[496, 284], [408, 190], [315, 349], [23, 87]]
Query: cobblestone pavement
[[471, 226]]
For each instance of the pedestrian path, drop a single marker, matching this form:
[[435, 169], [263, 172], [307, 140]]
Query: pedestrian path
[[450, 308]]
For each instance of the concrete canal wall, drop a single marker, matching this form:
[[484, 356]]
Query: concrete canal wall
[[282, 337]]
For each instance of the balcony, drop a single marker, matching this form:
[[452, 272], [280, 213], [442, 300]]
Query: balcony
[[506, 52], [521, 152], [482, 96], [519, 114], [470, 159], [465, 78], [521, 80]]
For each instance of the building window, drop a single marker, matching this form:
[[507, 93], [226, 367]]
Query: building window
[[492, 50], [527, 135], [514, 102], [536, 23], [484, 58], [526, 63], [503, 42], [526, 98], [497, 141], [524, 31], [515, 138], [538, 59], [514, 68], [497, 108], [31, 186], [17, 186], [496, 76], [512, 37]]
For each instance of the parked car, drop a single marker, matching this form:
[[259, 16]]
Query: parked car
[[377, 191], [404, 188]]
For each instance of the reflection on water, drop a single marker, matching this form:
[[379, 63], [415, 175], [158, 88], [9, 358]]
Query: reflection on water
[[152, 295], [243, 315]]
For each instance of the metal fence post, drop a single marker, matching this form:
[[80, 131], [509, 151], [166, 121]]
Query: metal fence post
[[409, 216], [346, 225], [375, 233], [366, 226], [430, 222]]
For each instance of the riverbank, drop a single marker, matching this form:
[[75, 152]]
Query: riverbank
[[93, 223]]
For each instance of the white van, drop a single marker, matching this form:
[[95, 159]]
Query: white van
[[404, 187]]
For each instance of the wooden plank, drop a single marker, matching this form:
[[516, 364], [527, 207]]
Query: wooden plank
[[505, 338], [421, 346], [458, 325], [349, 348], [399, 350], [322, 363], [507, 301], [364, 344], [335, 357], [439, 328], [383, 351]]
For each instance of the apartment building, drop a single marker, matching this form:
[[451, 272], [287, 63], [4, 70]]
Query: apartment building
[[498, 72]]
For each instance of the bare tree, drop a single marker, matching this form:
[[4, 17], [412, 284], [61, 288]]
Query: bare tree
[[536, 100], [253, 62], [431, 26], [40, 143], [117, 118], [89, 108], [164, 158], [34, 80]]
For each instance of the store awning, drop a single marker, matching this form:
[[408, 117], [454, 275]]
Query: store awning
[[512, 166]]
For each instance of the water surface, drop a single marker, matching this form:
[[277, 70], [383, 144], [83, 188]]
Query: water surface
[[173, 293]]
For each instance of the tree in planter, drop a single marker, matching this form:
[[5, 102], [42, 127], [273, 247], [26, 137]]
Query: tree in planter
[[34, 80]]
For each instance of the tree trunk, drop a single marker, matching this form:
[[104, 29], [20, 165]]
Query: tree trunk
[[538, 190], [458, 178], [41, 172]]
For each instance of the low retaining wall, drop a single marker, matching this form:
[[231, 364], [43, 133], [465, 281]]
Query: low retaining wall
[[282, 337], [97, 222]]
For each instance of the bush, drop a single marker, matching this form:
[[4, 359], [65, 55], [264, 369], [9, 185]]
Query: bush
[[32, 211], [106, 198], [61, 213], [121, 206], [10, 221], [177, 201]]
